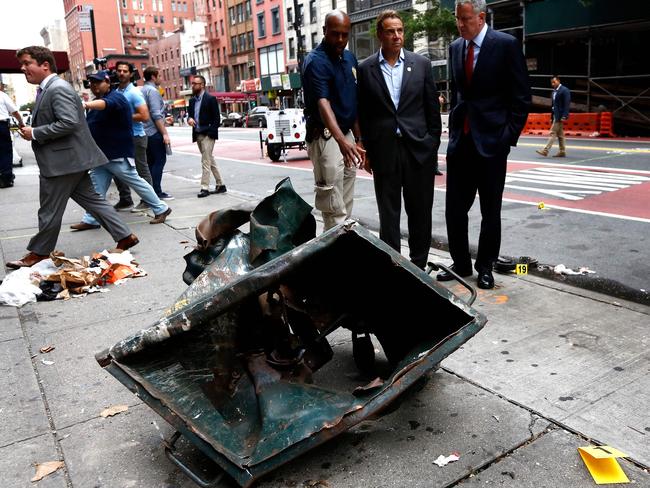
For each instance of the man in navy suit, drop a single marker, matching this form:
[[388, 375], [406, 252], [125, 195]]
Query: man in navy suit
[[204, 118], [399, 117], [561, 99], [490, 100]]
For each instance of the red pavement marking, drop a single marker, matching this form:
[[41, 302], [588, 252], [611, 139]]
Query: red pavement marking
[[628, 202]]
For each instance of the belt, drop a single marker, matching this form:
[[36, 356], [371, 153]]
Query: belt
[[6, 121]]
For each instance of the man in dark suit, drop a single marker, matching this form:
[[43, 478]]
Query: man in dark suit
[[64, 151], [561, 99], [490, 100], [205, 120], [399, 117]]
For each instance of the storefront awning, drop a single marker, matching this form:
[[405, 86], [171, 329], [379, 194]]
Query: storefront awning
[[9, 63], [232, 97]]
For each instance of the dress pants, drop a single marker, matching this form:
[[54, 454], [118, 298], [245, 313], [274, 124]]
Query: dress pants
[[334, 182], [208, 164], [467, 173], [416, 182], [156, 159], [141, 166], [6, 154], [557, 132], [122, 170], [54, 194]]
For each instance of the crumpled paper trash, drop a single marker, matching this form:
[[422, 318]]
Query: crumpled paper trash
[[562, 269]]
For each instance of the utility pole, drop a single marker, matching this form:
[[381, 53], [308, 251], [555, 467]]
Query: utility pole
[[92, 30], [297, 24]]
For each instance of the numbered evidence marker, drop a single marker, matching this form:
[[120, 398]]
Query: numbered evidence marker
[[522, 269], [601, 463]]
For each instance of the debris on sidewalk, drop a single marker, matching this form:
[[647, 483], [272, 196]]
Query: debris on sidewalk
[[562, 269], [602, 465], [46, 362], [46, 349], [114, 410], [60, 277], [445, 460], [46, 469]]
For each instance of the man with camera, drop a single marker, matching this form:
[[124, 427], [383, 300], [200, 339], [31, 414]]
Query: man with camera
[[111, 125]]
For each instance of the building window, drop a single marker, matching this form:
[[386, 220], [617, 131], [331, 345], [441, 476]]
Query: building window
[[221, 25], [233, 44], [155, 19], [124, 4], [312, 11], [301, 13], [289, 15], [184, 6], [242, 42], [175, 21], [134, 4], [272, 60], [275, 21], [126, 17], [173, 5], [261, 25], [160, 5], [141, 4], [314, 39], [251, 40], [240, 12], [231, 14], [248, 9], [162, 19], [292, 48]]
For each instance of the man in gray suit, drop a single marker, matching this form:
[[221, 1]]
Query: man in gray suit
[[64, 151]]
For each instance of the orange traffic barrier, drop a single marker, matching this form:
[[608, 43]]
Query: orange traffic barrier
[[578, 124], [606, 125]]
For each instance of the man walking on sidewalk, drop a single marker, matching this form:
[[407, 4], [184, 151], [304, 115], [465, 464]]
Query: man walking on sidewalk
[[124, 72], [64, 151], [561, 100], [157, 137], [7, 109], [205, 119], [110, 121]]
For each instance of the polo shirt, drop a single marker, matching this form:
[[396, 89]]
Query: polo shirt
[[327, 75], [112, 128]]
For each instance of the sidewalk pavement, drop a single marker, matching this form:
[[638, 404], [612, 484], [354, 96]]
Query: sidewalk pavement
[[555, 368]]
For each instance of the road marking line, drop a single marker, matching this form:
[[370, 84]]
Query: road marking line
[[564, 165]]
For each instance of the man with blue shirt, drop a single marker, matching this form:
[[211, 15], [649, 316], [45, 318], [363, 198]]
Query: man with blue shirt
[[124, 71], [110, 122], [399, 116], [157, 137], [330, 87], [205, 119]]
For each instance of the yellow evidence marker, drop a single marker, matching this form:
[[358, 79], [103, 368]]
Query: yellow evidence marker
[[601, 463]]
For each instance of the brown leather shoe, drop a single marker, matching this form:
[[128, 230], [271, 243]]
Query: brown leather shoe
[[541, 152], [560, 155], [128, 242], [29, 260], [84, 226], [160, 218]]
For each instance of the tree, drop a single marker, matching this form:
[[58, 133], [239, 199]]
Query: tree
[[27, 106], [435, 22]]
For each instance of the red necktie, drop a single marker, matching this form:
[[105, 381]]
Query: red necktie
[[469, 71]]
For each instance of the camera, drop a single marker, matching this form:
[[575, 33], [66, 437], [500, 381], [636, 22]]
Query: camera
[[101, 63]]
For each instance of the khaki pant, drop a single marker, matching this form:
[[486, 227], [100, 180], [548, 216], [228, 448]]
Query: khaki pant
[[557, 132], [334, 182], [208, 165]]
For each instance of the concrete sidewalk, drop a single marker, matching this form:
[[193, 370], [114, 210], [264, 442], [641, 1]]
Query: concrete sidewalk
[[555, 368]]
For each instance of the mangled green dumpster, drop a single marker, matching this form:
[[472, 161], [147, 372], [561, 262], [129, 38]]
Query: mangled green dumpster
[[242, 366]]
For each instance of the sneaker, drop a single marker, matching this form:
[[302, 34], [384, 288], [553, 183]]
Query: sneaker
[[140, 207], [219, 189], [122, 205], [165, 196]]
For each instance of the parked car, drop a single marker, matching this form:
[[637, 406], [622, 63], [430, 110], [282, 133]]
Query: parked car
[[234, 119], [256, 117]]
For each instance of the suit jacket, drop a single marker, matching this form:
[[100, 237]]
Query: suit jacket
[[209, 116], [498, 98], [561, 103], [62, 142], [417, 116]]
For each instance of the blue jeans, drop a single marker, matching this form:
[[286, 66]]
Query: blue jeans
[[156, 159], [121, 168]]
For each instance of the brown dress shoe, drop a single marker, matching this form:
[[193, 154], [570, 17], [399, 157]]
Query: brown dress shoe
[[128, 242], [29, 260], [560, 155], [84, 226], [541, 152], [160, 218]]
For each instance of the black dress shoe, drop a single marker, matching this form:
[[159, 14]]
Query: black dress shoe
[[219, 189], [485, 279], [203, 194], [84, 226], [444, 276]]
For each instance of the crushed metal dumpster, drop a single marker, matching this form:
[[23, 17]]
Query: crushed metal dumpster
[[241, 365]]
